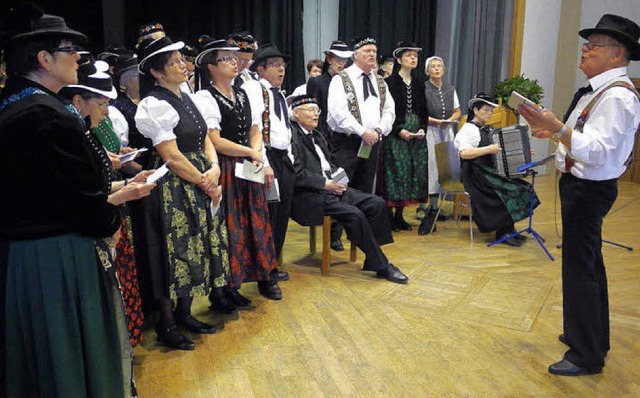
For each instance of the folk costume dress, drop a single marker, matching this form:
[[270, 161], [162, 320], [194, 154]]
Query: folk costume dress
[[194, 242], [244, 204], [404, 163], [61, 335], [497, 202], [440, 105], [124, 263]]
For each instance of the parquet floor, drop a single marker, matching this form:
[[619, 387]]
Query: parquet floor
[[474, 321]]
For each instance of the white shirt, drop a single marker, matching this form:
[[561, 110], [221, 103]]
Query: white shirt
[[468, 137], [279, 132], [607, 137], [324, 163], [120, 125], [340, 118], [300, 90]]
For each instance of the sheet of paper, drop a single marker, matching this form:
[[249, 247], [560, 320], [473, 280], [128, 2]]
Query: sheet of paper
[[340, 176], [365, 151], [159, 173], [216, 206], [273, 193], [128, 157], [417, 134], [516, 99], [248, 171]]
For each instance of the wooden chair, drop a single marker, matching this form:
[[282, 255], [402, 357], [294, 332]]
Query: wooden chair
[[449, 178], [326, 245]]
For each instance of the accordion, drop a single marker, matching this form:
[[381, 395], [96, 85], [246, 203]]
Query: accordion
[[516, 150]]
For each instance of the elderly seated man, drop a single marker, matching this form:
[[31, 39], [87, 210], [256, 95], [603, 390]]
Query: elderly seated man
[[363, 215]]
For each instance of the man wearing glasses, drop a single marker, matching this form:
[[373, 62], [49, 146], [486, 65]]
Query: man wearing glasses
[[595, 141], [269, 106], [363, 215]]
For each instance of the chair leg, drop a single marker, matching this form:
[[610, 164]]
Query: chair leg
[[326, 242], [353, 252], [441, 199], [312, 239], [470, 217]]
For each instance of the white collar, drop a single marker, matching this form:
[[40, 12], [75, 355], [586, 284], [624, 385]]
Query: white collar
[[606, 76]]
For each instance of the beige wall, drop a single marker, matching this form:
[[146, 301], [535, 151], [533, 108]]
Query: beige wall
[[566, 56]]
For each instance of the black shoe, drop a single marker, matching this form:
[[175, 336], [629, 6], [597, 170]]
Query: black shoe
[[563, 339], [241, 302], [270, 290], [427, 223], [421, 212], [222, 304], [520, 238], [566, 368], [402, 225], [393, 274], [337, 245], [195, 326], [171, 337], [441, 216], [283, 276], [510, 242]]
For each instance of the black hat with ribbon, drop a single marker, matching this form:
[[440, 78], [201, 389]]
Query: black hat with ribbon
[[208, 45], [363, 41], [244, 41], [299, 100], [266, 51], [620, 28], [94, 77], [125, 61], [339, 49], [27, 21], [403, 46], [158, 46]]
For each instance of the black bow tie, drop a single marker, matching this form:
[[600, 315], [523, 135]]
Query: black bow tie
[[576, 97], [367, 87]]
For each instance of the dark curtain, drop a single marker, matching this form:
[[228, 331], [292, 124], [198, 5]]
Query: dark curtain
[[389, 22], [476, 46], [277, 21]]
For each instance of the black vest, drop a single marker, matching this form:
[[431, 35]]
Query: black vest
[[439, 101]]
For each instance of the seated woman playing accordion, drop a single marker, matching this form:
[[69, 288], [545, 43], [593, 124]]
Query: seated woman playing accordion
[[497, 201]]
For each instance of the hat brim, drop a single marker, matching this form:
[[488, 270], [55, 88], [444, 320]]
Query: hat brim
[[339, 53], [397, 51], [113, 94], [67, 33], [170, 48], [472, 101], [198, 60], [632, 46], [256, 61]]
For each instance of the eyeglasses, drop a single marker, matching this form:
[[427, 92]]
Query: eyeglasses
[[277, 64], [340, 60], [228, 59], [313, 110], [175, 63], [243, 61], [66, 49], [100, 103], [590, 46]]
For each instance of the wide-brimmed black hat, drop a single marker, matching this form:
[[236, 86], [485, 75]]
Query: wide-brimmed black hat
[[265, 51], [302, 100], [484, 98], [210, 44], [94, 77], [339, 49], [28, 21], [622, 29], [158, 46], [244, 41], [403, 46], [125, 61]]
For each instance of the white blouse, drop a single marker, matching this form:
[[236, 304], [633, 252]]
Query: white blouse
[[468, 137]]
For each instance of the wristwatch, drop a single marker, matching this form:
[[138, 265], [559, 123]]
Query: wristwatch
[[379, 131], [558, 134]]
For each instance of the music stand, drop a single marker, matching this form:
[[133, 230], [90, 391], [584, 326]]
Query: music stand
[[528, 168]]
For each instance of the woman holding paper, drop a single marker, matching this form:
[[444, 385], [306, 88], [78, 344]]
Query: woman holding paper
[[444, 110], [238, 140], [404, 155], [188, 237], [497, 202]]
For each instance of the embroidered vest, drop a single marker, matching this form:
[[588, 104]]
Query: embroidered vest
[[352, 100]]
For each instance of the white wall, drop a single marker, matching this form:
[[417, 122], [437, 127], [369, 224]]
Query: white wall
[[539, 47], [592, 10]]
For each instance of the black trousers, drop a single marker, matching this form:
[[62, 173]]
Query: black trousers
[[584, 280], [361, 172], [366, 220], [279, 212]]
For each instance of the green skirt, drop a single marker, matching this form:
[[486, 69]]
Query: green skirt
[[60, 324]]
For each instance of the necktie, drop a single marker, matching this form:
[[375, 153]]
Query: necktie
[[568, 162], [367, 87], [280, 105], [237, 83]]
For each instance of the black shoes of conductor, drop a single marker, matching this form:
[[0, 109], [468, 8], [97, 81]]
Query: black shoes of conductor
[[390, 273], [566, 368]]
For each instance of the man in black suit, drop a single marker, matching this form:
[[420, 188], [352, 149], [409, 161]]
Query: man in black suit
[[363, 215]]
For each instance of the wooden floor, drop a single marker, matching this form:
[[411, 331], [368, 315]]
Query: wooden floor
[[473, 321]]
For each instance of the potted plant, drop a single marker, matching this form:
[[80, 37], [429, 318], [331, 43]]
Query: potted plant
[[527, 87]]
